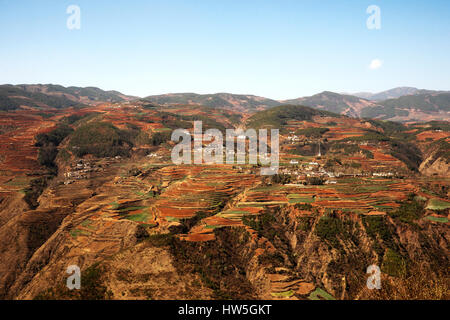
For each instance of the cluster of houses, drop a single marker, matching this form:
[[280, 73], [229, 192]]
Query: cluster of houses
[[309, 169], [80, 170], [293, 138], [153, 156], [301, 171]]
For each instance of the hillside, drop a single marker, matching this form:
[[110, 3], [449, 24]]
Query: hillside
[[54, 96], [411, 105], [96, 187], [14, 97], [422, 106], [237, 102], [388, 94], [334, 102], [278, 117]]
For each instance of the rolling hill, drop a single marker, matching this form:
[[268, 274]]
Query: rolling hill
[[236, 102], [103, 193], [425, 105], [388, 94], [55, 96], [334, 102], [277, 117], [404, 103]]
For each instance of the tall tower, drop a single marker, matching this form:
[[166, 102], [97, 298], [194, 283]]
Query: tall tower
[[320, 153]]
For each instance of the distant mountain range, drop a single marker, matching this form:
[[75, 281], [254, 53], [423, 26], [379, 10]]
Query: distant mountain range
[[420, 105], [399, 104], [55, 96], [389, 94], [237, 102], [334, 102]]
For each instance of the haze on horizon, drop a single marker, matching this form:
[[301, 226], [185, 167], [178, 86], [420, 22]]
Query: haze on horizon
[[276, 49]]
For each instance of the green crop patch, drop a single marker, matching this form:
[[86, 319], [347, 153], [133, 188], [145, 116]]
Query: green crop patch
[[285, 294], [437, 219], [320, 294], [142, 217], [436, 204], [78, 232]]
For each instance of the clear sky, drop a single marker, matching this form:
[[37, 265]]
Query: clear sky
[[278, 49]]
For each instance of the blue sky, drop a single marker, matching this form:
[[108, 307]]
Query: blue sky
[[277, 49]]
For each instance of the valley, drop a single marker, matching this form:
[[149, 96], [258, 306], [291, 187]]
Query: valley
[[95, 186]]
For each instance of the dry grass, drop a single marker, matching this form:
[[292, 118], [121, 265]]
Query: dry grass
[[420, 284]]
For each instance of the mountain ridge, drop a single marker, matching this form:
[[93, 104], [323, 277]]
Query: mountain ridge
[[415, 105]]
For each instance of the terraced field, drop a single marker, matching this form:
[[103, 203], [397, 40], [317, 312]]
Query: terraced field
[[285, 239]]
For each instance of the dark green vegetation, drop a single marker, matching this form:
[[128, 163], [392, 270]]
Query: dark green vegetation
[[101, 139], [281, 178], [410, 210], [277, 117], [160, 137], [380, 231], [329, 228], [48, 145], [261, 224], [386, 245], [393, 264], [315, 181], [388, 127], [34, 190]]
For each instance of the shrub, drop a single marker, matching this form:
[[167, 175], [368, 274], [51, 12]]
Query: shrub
[[160, 137], [48, 145], [263, 224], [281, 178], [393, 264], [315, 181], [409, 211], [328, 229], [101, 139], [377, 227], [55, 137]]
